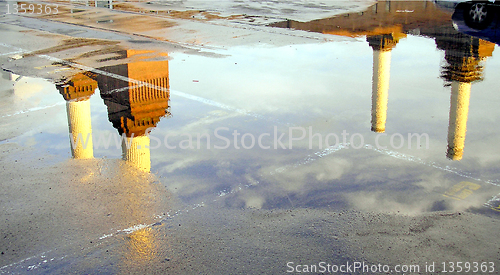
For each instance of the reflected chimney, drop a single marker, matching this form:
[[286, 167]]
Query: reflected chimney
[[382, 46], [463, 55], [80, 129], [380, 89], [136, 151], [77, 93], [459, 109]]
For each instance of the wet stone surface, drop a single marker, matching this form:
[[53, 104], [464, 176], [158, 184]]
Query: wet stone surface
[[215, 144]]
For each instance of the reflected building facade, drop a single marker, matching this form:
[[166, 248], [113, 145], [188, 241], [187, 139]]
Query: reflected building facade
[[136, 103], [384, 17], [77, 93]]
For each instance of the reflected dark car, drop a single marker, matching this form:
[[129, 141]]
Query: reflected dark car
[[478, 18]]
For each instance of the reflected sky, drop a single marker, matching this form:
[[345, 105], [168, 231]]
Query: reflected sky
[[411, 72]]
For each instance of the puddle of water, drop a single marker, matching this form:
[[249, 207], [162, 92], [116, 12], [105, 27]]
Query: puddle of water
[[413, 73], [208, 130]]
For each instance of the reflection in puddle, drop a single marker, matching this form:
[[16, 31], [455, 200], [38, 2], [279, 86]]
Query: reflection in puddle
[[459, 109], [477, 18], [133, 108], [141, 246], [245, 92], [77, 93], [382, 46], [135, 105], [384, 17], [384, 24], [463, 56], [136, 95]]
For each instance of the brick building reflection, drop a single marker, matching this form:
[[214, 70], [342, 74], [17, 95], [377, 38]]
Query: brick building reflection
[[136, 100], [77, 93], [136, 103]]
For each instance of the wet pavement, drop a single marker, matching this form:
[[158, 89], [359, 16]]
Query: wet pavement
[[180, 138]]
